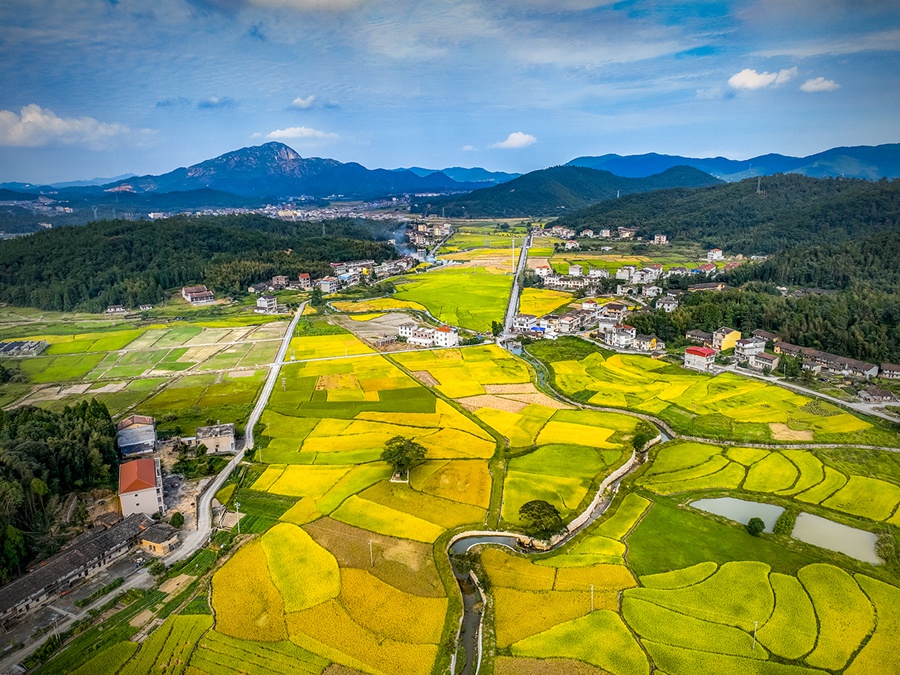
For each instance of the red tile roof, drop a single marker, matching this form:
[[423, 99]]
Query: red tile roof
[[139, 474], [705, 352]]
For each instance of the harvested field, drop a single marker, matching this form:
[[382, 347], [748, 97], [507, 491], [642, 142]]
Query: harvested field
[[511, 665], [425, 378], [782, 432], [527, 388], [474, 403]]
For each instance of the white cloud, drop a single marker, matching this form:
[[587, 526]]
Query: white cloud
[[469, 148], [515, 140], [214, 102], [749, 79], [819, 84], [34, 126], [301, 134], [300, 103]]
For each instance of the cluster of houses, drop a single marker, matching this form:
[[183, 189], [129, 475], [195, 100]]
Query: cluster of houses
[[424, 235], [818, 361], [751, 350], [423, 336], [121, 310], [343, 275], [622, 233]]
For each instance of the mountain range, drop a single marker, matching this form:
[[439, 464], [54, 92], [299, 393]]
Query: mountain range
[[865, 161], [464, 175], [556, 191]]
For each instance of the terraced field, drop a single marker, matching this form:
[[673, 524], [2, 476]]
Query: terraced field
[[725, 406]]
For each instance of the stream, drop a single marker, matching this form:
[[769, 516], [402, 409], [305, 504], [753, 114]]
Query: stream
[[472, 596]]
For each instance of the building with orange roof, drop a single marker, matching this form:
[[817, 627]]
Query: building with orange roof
[[140, 487]]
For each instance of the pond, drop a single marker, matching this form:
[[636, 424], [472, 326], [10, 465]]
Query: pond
[[834, 536], [851, 541], [740, 510]]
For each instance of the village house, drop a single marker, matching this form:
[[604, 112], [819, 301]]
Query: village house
[[616, 310], [352, 267], [266, 304], [625, 272], [575, 270], [218, 438], [648, 343], [876, 395], [598, 273], [622, 336], [831, 363], [549, 322], [524, 322], [543, 270], [572, 244], [88, 554], [589, 233], [660, 239], [136, 435], [889, 371], [605, 233], [304, 281], [116, 309], [627, 232], [765, 336], [279, 282], [651, 291], [699, 358], [747, 348], [329, 285], [715, 254], [256, 289], [700, 337], [667, 304], [428, 337], [725, 338], [159, 539], [705, 268], [145, 308], [140, 487], [678, 272], [197, 295], [589, 305], [761, 361]]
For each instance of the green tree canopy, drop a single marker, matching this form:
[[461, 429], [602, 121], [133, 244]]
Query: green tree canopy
[[402, 454], [542, 519]]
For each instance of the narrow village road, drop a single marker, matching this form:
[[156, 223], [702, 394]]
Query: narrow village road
[[512, 307], [201, 535]]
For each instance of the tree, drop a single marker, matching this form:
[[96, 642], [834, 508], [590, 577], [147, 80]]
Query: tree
[[316, 299], [643, 434], [402, 454], [755, 526], [496, 328], [542, 519], [177, 519]]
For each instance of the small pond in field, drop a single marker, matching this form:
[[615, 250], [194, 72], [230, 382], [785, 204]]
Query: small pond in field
[[851, 541], [740, 510], [838, 537]]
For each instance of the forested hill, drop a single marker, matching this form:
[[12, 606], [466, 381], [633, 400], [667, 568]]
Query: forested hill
[[789, 210], [133, 262], [554, 191]]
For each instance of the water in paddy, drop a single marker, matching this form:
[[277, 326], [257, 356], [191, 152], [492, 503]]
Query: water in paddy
[[740, 510], [838, 537]]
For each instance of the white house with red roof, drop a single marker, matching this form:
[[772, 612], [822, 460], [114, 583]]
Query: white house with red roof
[[699, 358], [715, 254], [140, 487]]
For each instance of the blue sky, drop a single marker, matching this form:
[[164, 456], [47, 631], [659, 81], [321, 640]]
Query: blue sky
[[103, 87]]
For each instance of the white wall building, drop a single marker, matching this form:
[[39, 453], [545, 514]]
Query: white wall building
[[140, 487]]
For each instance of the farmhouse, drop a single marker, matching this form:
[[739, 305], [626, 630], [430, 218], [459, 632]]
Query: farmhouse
[[81, 558], [23, 348], [572, 244], [889, 371], [762, 361], [266, 304], [329, 285], [218, 438], [627, 232], [765, 335], [589, 233], [725, 338], [715, 254], [622, 336], [159, 539], [140, 487], [648, 343], [699, 337], [543, 270], [651, 291], [616, 310], [667, 304], [428, 337], [699, 358], [746, 348], [678, 272], [838, 365], [352, 267], [116, 309], [136, 434], [876, 395], [197, 295], [706, 268], [305, 281], [575, 270], [256, 289], [524, 322], [660, 239]]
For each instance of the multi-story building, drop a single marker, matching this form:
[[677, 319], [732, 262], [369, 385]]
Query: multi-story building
[[140, 487]]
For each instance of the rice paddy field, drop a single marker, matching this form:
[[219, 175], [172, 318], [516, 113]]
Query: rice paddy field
[[469, 297], [376, 305], [801, 475], [540, 301], [184, 374], [724, 406]]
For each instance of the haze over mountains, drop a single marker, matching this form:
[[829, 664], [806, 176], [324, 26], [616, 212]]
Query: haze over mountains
[[865, 161]]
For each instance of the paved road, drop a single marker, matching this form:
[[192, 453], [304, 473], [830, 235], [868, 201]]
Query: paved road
[[513, 307], [200, 536]]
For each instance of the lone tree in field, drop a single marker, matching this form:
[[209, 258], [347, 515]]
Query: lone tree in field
[[755, 526], [402, 454], [542, 519]]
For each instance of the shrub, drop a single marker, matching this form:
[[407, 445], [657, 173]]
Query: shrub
[[785, 523], [756, 526]]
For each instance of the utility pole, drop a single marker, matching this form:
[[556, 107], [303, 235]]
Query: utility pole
[[237, 510], [371, 555]]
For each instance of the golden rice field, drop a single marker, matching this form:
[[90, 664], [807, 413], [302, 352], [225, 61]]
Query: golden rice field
[[540, 301], [685, 466], [725, 406], [376, 305]]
